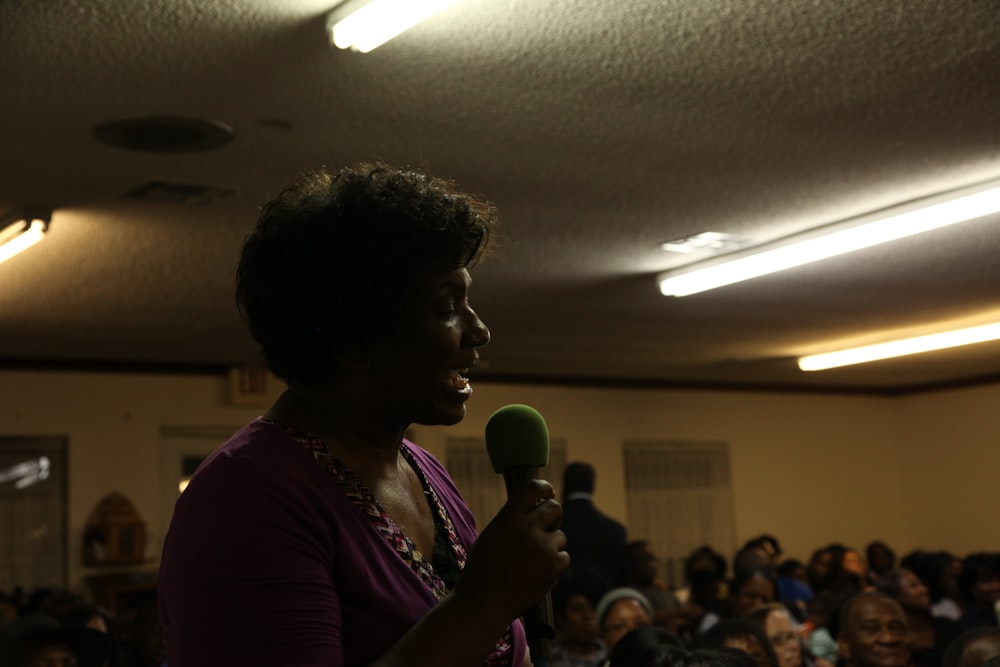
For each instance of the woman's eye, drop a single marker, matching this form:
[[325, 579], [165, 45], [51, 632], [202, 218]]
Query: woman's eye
[[445, 311]]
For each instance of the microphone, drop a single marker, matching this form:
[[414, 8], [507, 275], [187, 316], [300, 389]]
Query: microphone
[[517, 440]]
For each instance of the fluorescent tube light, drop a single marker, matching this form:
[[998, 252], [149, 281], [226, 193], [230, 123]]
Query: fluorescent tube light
[[900, 348], [23, 231], [833, 240], [379, 21]]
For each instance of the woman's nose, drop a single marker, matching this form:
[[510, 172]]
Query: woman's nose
[[479, 333]]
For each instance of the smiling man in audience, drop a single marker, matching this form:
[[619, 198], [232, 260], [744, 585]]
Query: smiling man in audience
[[874, 632]]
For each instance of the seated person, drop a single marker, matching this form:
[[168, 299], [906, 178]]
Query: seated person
[[873, 632], [652, 646], [822, 627], [741, 634], [761, 553], [979, 586], [793, 588], [574, 601], [973, 648], [750, 589], [620, 611], [881, 560], [668, 612], [38, 640], [837, 569], [648, 645], [943, 584], [777, 623], [930, 634], [705, 586]]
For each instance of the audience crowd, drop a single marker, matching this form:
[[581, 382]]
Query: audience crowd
[[54, 627], [843, 607]]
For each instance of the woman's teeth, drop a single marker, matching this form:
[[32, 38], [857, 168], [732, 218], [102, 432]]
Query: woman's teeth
[[456, 380]]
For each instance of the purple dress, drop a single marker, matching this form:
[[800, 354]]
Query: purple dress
[[276, 555]]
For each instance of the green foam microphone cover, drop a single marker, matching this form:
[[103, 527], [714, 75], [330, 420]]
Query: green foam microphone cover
[[516, 436]]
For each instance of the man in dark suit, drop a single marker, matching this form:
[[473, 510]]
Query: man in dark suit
[[593, 540]]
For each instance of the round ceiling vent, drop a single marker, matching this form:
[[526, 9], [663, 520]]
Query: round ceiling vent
[[164, 134]]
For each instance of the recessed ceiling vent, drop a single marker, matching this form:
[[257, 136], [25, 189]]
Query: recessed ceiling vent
[[164, 134], [179, 193]]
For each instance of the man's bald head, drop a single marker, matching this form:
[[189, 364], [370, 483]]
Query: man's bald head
[[874, 632]]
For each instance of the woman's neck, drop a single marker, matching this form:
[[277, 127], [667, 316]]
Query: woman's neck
[[348, 431]]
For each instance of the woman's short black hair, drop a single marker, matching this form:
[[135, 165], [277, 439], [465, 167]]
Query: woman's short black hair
[[743, 577], [653, 646], [647, 646], [837, 579], [931, 567], [334, 259], [716, 637], [976, 566], [579, 580], [701, 553]]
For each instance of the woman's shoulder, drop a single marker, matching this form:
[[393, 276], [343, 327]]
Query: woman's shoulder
[[260, 443], [427, 461], [260, 465]]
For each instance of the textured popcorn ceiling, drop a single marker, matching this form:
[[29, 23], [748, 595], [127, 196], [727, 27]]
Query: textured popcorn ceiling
[[600, 129]]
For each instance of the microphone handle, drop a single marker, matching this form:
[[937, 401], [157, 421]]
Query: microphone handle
[[539, 630], [539, 622], [518, 477]]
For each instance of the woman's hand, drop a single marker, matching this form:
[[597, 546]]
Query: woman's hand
[[520, 554], [517, 558]]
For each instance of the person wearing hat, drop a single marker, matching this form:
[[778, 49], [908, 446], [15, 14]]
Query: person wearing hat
[[38, 640], [620, 611]]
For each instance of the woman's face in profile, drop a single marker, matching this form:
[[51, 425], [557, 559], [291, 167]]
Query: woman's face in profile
[[783, 638], [422, 366], [853, 563], [912, 592]]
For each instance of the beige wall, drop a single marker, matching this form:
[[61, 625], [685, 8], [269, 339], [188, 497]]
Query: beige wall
[[950, 463], [808, 468], [804, 467]]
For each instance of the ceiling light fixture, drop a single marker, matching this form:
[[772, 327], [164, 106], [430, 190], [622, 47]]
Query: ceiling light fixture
[[713, 242], [836, 239], [21, 230], [362, 26], [901, 348]]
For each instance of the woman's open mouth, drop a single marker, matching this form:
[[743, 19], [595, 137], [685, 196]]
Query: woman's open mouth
[[456, 380]]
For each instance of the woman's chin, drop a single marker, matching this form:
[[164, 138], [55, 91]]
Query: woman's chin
[[444, 413]]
